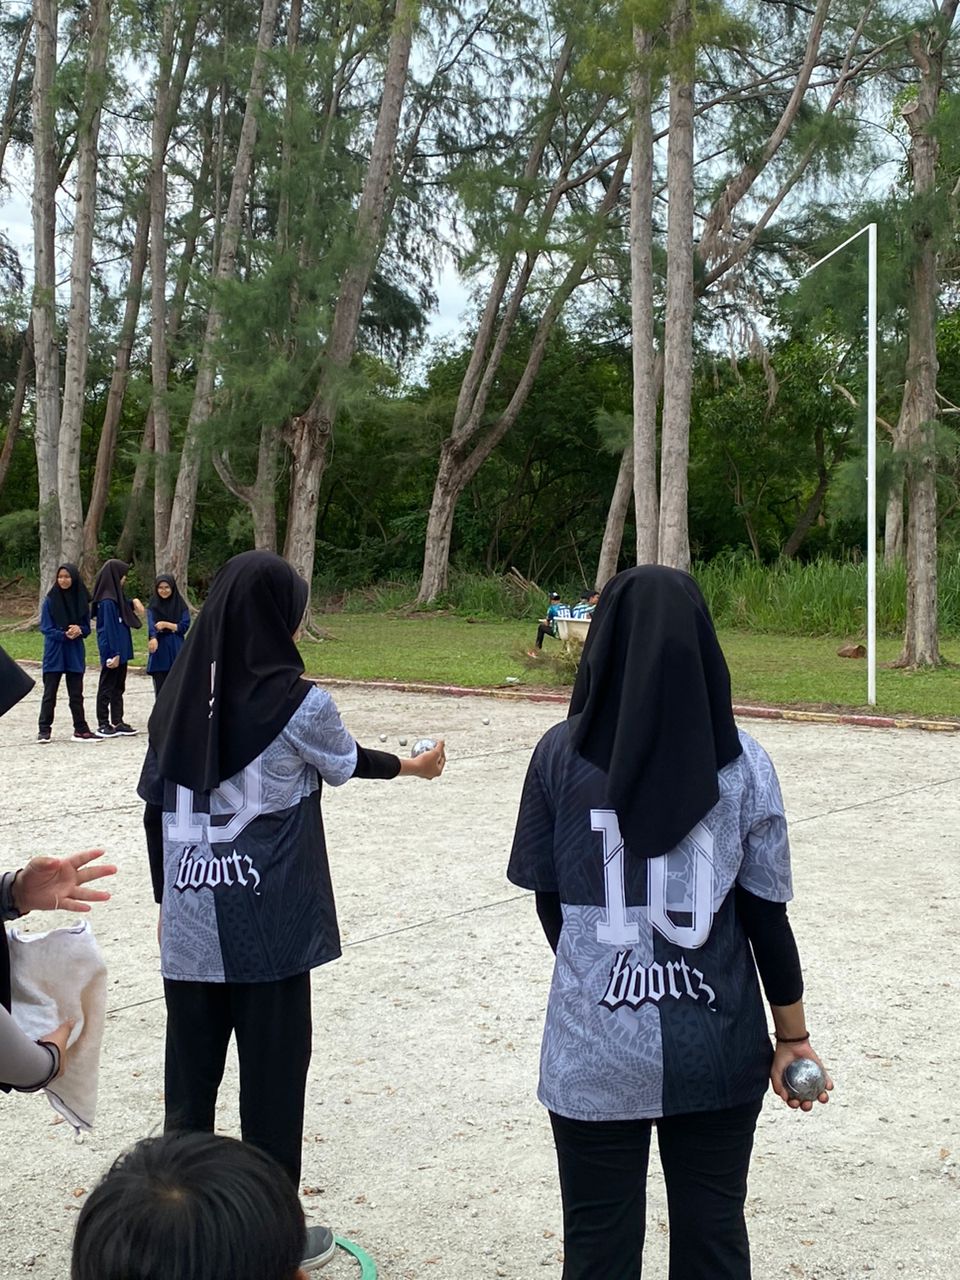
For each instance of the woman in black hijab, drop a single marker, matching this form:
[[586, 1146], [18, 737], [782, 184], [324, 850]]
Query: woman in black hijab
[[65, 624], [654, 836], [116, 617], [240, 746], [44, 884], [168, 620]]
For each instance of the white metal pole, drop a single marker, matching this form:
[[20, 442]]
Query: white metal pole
[[871, 230], [872, 464]]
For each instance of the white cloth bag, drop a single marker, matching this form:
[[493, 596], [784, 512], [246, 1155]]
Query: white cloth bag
[[55, 976]]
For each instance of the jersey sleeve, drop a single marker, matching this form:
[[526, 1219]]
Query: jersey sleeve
[[531, 858], [765, 869], [318, 736], [150, 785]]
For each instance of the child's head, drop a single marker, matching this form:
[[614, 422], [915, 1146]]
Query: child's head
[[190, 1206]]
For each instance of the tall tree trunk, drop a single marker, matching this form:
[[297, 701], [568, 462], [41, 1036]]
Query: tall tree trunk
[[46, 351], [311, 432], [814, 503], [616, 518], [148, 461], [159, 358], [893, 524], [457, 465], [175, 555], [127, 541], [16, 408], [463, 452], [645, 391], [261, 497], [674, 539], [78, 321], [107, 445], [919, 409]]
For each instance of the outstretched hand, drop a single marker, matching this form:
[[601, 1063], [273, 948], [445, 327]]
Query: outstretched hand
[[51, 884], [429, 764]]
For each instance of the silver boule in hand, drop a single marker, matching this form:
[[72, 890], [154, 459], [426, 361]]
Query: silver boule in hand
[[804, 1079], [421, 745]]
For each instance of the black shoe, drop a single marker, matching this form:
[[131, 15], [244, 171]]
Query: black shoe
[[318, 1249], [84, 735], [43, 735], [106, 731], [125, 730]]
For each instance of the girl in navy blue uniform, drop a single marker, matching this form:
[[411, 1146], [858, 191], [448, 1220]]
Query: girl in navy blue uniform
[[65, 623], [115, 617], [168, 620]]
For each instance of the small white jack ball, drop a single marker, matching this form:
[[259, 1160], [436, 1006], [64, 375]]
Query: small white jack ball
[[383, 737], [486, 719], [402, 741], [421, 745]]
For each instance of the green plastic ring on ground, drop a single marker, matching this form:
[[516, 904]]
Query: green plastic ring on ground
[[368, 1268]]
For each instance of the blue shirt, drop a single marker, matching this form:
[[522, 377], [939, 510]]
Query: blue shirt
[[113, 634], [59, 653], [169, 643]]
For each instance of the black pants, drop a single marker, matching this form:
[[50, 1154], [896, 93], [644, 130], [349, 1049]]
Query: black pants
[[51, 683], [603, 1174], [113, 681], [272, 1024], [158, 678], [541, 632]]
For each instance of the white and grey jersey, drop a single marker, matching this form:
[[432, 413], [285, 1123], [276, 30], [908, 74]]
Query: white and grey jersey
[[655, 1007], [247, 892]]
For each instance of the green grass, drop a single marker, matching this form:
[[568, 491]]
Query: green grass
[[765, 668]]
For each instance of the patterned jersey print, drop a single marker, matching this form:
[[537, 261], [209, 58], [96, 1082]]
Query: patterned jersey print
[[655, 1006], [247, 892]]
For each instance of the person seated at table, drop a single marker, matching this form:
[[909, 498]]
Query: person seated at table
[[586, 605], [548, 625]]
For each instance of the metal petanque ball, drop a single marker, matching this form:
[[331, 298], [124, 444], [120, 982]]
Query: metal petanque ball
[[421, 745], [804, 1079]]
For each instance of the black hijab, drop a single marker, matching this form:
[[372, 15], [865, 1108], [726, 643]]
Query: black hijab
[[14, 683], [108, 587], [237, 680], [651, 706], [70, 607], [171, 610]]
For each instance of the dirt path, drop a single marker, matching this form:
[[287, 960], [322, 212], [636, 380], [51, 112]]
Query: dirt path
[[424, 1140]]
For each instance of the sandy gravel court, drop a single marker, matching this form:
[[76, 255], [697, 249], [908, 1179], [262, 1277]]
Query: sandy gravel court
[[424, 1140]]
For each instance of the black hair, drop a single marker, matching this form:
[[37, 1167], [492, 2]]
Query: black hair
[[190, 1206]]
